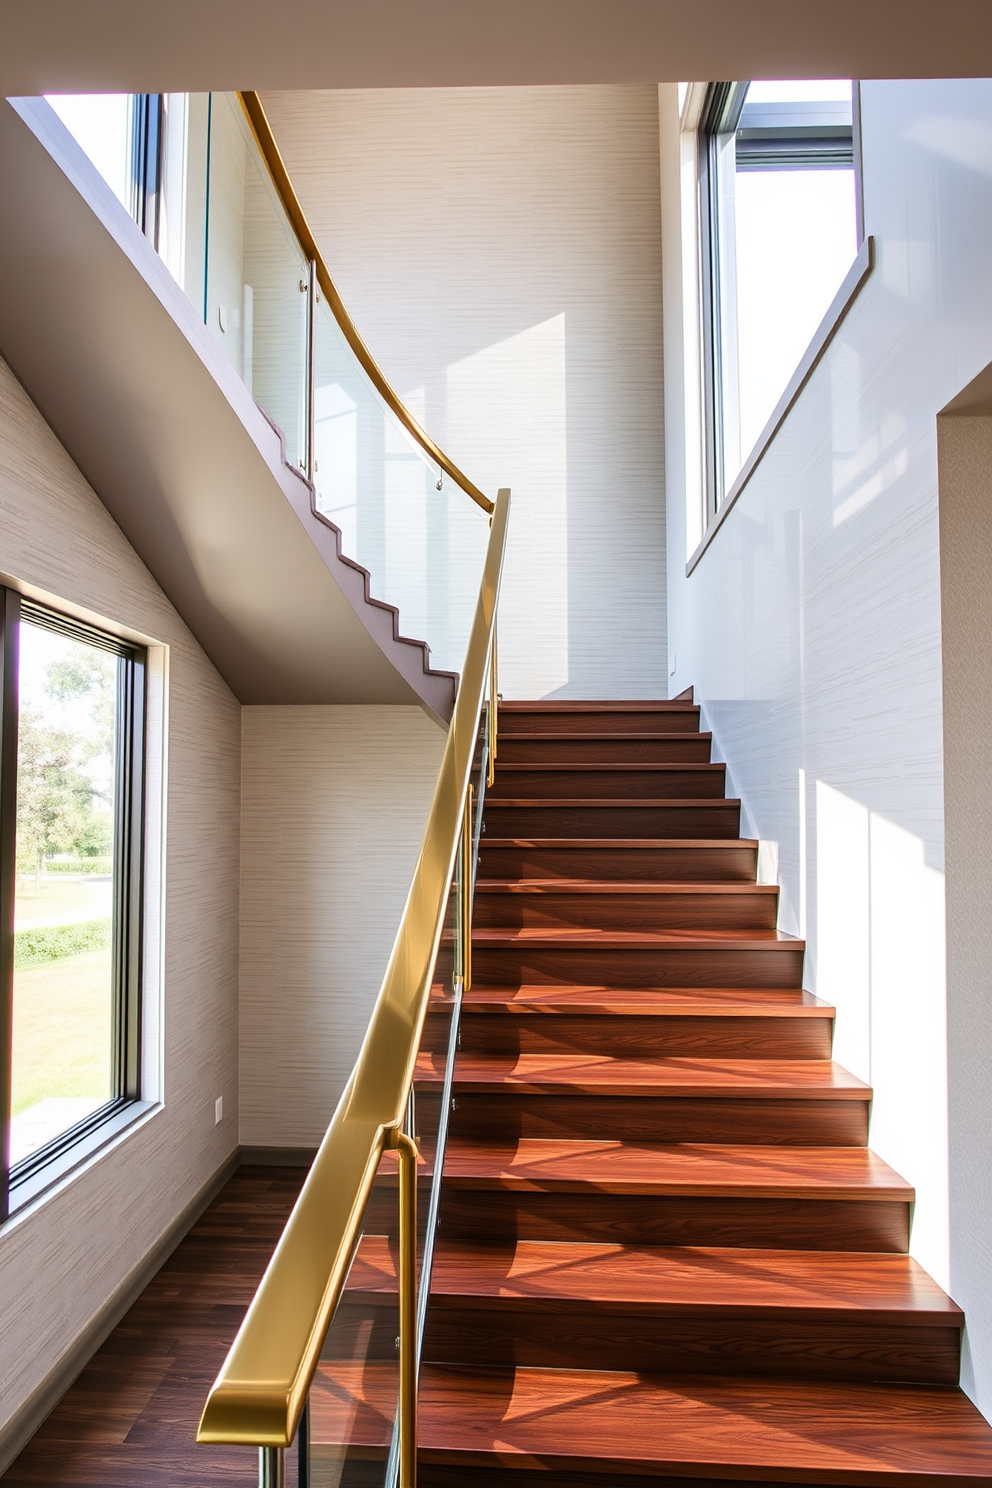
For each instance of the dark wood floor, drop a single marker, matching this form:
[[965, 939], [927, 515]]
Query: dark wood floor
[[130, 1419]]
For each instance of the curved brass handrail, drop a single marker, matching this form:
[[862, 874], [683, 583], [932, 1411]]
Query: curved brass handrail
[[261, 1389], [266, 141]]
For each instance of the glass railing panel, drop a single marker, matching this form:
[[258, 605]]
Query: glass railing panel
[[352, 1404], [256, 300], [351, 1439], [421, 538]]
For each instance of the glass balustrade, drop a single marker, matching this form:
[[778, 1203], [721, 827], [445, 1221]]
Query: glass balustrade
[[350, 1437], [256, 292], [223, 226], [421, 538]]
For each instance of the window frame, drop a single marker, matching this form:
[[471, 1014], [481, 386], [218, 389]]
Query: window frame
[[21, 1182], [719, 117]]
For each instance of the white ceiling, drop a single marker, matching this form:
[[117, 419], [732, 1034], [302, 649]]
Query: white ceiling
[[191, 45]]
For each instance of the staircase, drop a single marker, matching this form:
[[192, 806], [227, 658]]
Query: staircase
[[665, 1249]]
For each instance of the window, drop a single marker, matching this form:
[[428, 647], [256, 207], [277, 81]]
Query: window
[[779, 230], [71, 785]]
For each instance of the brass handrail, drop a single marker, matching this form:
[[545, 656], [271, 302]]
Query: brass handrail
[[261, 1390], [266, 141]]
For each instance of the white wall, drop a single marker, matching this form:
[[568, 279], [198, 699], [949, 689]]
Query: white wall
[[62, 1259], [965, 451], [499, 249], [334, 805], [811, 626]]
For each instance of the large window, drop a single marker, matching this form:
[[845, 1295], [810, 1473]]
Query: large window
[[71, 770], [780, 229]]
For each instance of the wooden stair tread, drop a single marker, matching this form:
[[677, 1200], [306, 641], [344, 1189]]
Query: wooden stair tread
[[632, 844], [609, 736], [553, 705], [714, 1279], [787, 1431], [614, 803], [579, 886], [689, 1168], [661, 1002], [600, 767], [598, 1074], [736, 939]]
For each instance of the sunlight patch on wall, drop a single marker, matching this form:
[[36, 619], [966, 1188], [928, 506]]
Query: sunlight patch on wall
[[507, 420], [880, 961]]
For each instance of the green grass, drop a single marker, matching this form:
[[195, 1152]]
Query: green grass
[[62, 1030], [59, 897]]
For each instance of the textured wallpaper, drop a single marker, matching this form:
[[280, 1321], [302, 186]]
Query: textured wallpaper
[[500, 250], [61, 1260]]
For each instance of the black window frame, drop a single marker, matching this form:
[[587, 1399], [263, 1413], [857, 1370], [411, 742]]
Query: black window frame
[[794, 142], [21, 1180]]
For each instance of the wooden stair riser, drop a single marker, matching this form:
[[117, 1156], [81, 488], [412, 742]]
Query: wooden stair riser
[[617, 749], [768, 1123], [633, 1036], [682, 819], [674, 719], [608, 782], [491, 1214], [463, 1330], [435, 1472], [690, 862], [548, 908], [613, 966]]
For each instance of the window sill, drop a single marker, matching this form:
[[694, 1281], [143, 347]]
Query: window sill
[[856, 276], [24, 1190]]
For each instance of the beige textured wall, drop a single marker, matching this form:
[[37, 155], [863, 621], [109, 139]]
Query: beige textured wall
[[334, 803], [500, 250], [61, 1260]]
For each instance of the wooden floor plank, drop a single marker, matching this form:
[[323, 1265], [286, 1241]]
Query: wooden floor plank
[[130, 1419]]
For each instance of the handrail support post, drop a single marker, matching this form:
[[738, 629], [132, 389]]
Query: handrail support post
[[271, 1467], [465, 894], [311, 389], [406, 1152], [493, 710]]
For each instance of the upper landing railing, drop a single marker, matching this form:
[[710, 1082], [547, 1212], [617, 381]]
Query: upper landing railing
[[329, 1351], [319, 284]]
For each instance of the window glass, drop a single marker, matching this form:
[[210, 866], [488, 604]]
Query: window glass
[[71, 980], [101, 125], [782, 233]]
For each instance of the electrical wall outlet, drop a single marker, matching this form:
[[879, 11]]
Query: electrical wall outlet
[[218, 1110]]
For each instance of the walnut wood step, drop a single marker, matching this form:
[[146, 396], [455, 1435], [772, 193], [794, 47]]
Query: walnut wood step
[[621, 958], [811, 1102], [592, 718], [604, 748], [581, 903], [659, 1079], [783, 1430], [625, 1427], [607, 782], [690, 860], [711, 1194], [678, 1309], [707, 1021], [529, 817]]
